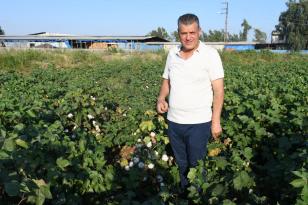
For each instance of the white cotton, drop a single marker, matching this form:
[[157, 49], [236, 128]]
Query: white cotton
[[165, 157], [141, 165], [90, 117], [150, 166], [149, 144], [136, 160]]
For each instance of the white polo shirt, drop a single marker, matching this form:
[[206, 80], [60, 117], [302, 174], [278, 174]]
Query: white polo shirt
[[191, 94]]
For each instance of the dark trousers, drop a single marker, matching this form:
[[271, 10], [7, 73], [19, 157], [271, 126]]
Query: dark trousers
[[188, 142]]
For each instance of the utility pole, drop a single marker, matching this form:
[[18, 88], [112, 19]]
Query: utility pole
[[226, 12]]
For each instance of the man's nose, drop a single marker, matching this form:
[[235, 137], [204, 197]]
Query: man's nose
[[188, 37]]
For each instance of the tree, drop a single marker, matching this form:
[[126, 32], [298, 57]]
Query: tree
[[260, 36], [160, 32], [293, 24], [246, 28], [213, 36], [234, 37], [218, 36], [1, 31], [175, 36]]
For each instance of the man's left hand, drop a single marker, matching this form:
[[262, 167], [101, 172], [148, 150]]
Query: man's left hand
[[216, 130]]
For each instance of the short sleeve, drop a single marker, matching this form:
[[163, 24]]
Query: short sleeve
[[166, 71], [216, 70]]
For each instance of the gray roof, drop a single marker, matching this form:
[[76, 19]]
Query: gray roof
[[209, 43], [66, 37]]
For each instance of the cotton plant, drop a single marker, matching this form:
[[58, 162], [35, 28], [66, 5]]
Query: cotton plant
[[150, 159], [150, 155]]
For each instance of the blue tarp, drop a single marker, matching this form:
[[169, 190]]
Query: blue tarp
[[67, 43], [106, 41], [145, 47], [240, 47], [288, 51]]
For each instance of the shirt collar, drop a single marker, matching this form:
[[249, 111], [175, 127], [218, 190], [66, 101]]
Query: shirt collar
[[197, 50]]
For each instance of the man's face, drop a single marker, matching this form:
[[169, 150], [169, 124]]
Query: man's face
[[189, 36]]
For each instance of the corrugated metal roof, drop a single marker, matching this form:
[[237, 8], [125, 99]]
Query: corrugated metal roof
[[37, 37], [208, 43], [50, 34]]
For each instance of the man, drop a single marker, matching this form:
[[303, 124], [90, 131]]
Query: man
[[193, 81]]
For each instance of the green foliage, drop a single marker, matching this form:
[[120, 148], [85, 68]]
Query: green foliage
[[88, 134], [213, 36], [218, 36], [234, 37], [302, 183], [260, 36], [160, 32], [293, 24], [243, 180], [175, 36], [246, 28], [2, 31]]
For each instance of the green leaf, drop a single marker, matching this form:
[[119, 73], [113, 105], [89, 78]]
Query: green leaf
[[221, 162], [243, 180], [12, 188], [192, 174], [19, 127], [41, 193], [260, 131], [62, 163], [3, 133], [147, 125], [228, 202], [248, 153], [45, 190], [298, 183], [147, 140], [244, 118], [9, 145], [218, 190], [27, 186], [81, 145], [39, 182], [4, 155], [78, 119], [21, 143], [24, 188], [109, 174], [298, 173], [37, 199], [166, 140], [304, 192], [174, 172], [31, 113]]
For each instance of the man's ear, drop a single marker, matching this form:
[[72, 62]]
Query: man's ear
[[200, 32]]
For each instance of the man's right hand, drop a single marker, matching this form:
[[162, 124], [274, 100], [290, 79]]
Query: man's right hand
[[162, 106]]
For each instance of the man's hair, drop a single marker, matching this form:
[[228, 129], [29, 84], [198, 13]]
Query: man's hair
[[188, 19]]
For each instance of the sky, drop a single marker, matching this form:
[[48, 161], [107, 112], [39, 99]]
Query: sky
[[134, 17]]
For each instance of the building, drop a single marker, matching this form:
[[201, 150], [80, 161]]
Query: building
[[230, 46], [277, 37], [66, 41], [125, 43]]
